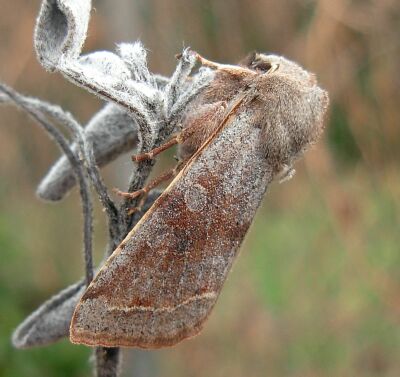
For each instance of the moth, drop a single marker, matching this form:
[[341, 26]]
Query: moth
[[249, 126]]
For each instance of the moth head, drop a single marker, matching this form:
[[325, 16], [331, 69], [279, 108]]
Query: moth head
[[270, 64], [292, 107]]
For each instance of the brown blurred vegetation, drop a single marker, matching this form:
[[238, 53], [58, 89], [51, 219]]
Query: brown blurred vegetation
[[316, 290]]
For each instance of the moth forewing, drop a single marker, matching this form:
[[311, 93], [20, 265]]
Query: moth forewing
[[161, 283]]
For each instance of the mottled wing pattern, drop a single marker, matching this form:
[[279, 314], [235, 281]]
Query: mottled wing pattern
[[161, 283]]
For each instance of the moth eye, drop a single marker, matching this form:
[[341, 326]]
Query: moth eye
[[261, 66], [264, 66]]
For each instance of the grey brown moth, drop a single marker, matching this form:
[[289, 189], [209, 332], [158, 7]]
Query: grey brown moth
[[247, 127]]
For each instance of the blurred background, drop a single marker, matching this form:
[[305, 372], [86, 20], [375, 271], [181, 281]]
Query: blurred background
[[316, 289]]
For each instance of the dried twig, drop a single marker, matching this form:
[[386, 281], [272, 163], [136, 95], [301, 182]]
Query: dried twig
[[77, 166]]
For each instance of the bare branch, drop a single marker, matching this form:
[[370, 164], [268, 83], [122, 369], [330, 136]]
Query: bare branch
[[87, 206]]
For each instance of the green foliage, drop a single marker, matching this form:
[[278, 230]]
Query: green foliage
[[332, 291], [340, 137], [63, 359]]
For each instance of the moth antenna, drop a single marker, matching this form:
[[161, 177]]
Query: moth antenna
[[224, 67]]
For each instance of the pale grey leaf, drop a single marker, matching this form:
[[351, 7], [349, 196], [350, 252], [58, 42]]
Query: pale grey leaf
[[61, 30], [50, 322], [178, 80], [105, 64], [135, 57]]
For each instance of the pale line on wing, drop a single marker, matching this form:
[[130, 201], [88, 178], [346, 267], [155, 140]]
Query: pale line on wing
[[169, 309]]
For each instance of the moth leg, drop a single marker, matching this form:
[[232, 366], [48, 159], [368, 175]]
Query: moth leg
[[132, 210], [154, 152], [177, 139], [144, 190], [154, 183], [286, 173]]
